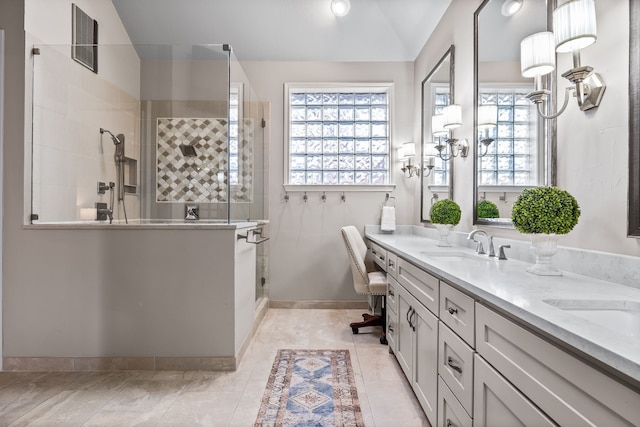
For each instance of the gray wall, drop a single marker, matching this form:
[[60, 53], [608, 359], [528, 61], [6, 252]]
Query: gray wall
[[308, 258]]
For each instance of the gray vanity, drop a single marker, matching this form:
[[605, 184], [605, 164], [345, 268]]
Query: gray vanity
[[485, 343]]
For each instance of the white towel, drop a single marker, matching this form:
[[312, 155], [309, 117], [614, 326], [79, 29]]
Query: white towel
[[388, 218]]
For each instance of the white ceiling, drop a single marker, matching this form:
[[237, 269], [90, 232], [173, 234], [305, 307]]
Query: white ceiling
[[288, 30]]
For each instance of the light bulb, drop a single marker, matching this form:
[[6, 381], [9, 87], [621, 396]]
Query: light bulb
[[340, 7]]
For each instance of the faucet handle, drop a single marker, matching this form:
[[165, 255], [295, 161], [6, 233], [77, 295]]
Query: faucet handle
[[492, 252], [480, 248], [501, 254]]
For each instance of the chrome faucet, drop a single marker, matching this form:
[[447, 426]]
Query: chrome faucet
[[479, 247]]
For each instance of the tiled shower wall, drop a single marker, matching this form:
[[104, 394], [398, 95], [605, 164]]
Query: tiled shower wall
[[70, 156], [204, 177]]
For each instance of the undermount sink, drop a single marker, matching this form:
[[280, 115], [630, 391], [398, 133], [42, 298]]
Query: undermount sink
[[620, 316], [454, 256]]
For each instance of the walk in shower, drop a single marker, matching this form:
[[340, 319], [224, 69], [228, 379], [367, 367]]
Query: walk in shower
[[144, 210]]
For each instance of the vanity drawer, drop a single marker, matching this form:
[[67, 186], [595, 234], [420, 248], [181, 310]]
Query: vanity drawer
[[455, 365], [392, 293], [457, 310], [568, 390], [422, 285], [379, 255], [392, 265], [450, 411]]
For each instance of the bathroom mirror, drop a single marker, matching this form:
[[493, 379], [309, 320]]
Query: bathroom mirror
[[437, 93], [515, 148], [634, 119]]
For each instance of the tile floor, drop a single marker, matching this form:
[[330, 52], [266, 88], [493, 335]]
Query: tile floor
[[140, 398]]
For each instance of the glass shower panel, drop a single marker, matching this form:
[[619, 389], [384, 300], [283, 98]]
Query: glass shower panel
[[185, 108], [145, 138], [85, 136]]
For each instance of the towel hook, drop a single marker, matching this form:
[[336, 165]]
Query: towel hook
[[343, 198], [305, 198], [286, 197], [387, 198], [324, 197]]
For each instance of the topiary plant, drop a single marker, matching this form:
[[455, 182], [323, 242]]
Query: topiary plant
[[488, 209], [445, 212], [547, 210]]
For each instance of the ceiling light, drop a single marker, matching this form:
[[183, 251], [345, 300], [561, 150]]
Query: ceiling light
[[340, 7], [511, 7]]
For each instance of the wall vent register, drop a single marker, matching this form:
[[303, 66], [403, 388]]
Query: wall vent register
[[84, 47]]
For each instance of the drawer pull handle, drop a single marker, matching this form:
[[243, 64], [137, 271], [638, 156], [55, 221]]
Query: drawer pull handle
[[413, 313], [452, 310], [390, 328], [391, 294], [449, 423], [373, 251], [453, 365], [409, 318], [391, 264]]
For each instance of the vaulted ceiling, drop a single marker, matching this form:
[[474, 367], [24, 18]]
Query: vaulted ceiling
[[288, 30]]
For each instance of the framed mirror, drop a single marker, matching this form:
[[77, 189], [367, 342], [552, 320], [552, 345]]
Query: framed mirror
[[634, 119], [515, 148], [437, 174]]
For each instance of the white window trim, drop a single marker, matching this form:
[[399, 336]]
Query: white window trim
[[321, 87]]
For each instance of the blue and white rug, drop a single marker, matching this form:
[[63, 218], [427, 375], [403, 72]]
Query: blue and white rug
[[310, 388]]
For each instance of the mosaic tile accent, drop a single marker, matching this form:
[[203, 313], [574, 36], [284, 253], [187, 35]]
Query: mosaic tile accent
[[183, 179]]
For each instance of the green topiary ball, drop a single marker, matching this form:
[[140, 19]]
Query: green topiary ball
[[488, 209], [445, 212], [547, 210]]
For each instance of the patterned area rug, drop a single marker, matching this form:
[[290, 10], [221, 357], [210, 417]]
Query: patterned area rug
[[310, 388]]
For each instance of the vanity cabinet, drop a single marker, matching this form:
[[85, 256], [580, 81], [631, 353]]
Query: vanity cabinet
[[470, 364], [497, 403], [568, 390], [416, 351]]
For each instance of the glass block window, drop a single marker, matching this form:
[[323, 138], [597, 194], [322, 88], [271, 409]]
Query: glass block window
[[338, 135], [234, 113], [440, 172], [511, 157]]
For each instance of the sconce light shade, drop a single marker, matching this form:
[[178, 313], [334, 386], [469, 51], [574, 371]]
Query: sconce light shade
[[574, 25], [537, 54], [487, 116], [409, 149], [437, 125], [452, 116], [340, 7]]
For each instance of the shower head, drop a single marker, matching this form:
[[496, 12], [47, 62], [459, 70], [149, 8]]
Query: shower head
[[114, 138]]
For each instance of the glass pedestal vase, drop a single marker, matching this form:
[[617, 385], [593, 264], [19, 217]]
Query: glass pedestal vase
[[444, 230], [544, 246]]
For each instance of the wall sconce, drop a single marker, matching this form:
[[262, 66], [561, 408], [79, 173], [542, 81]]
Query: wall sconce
[[441, 127], [487, 120], [574, 28], [406, 153], [340, 7]]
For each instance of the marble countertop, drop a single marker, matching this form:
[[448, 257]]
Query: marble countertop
[[507, 285]]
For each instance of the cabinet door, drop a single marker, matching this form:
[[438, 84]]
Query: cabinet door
[[498, 404], [404, 334], [425, 360]]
